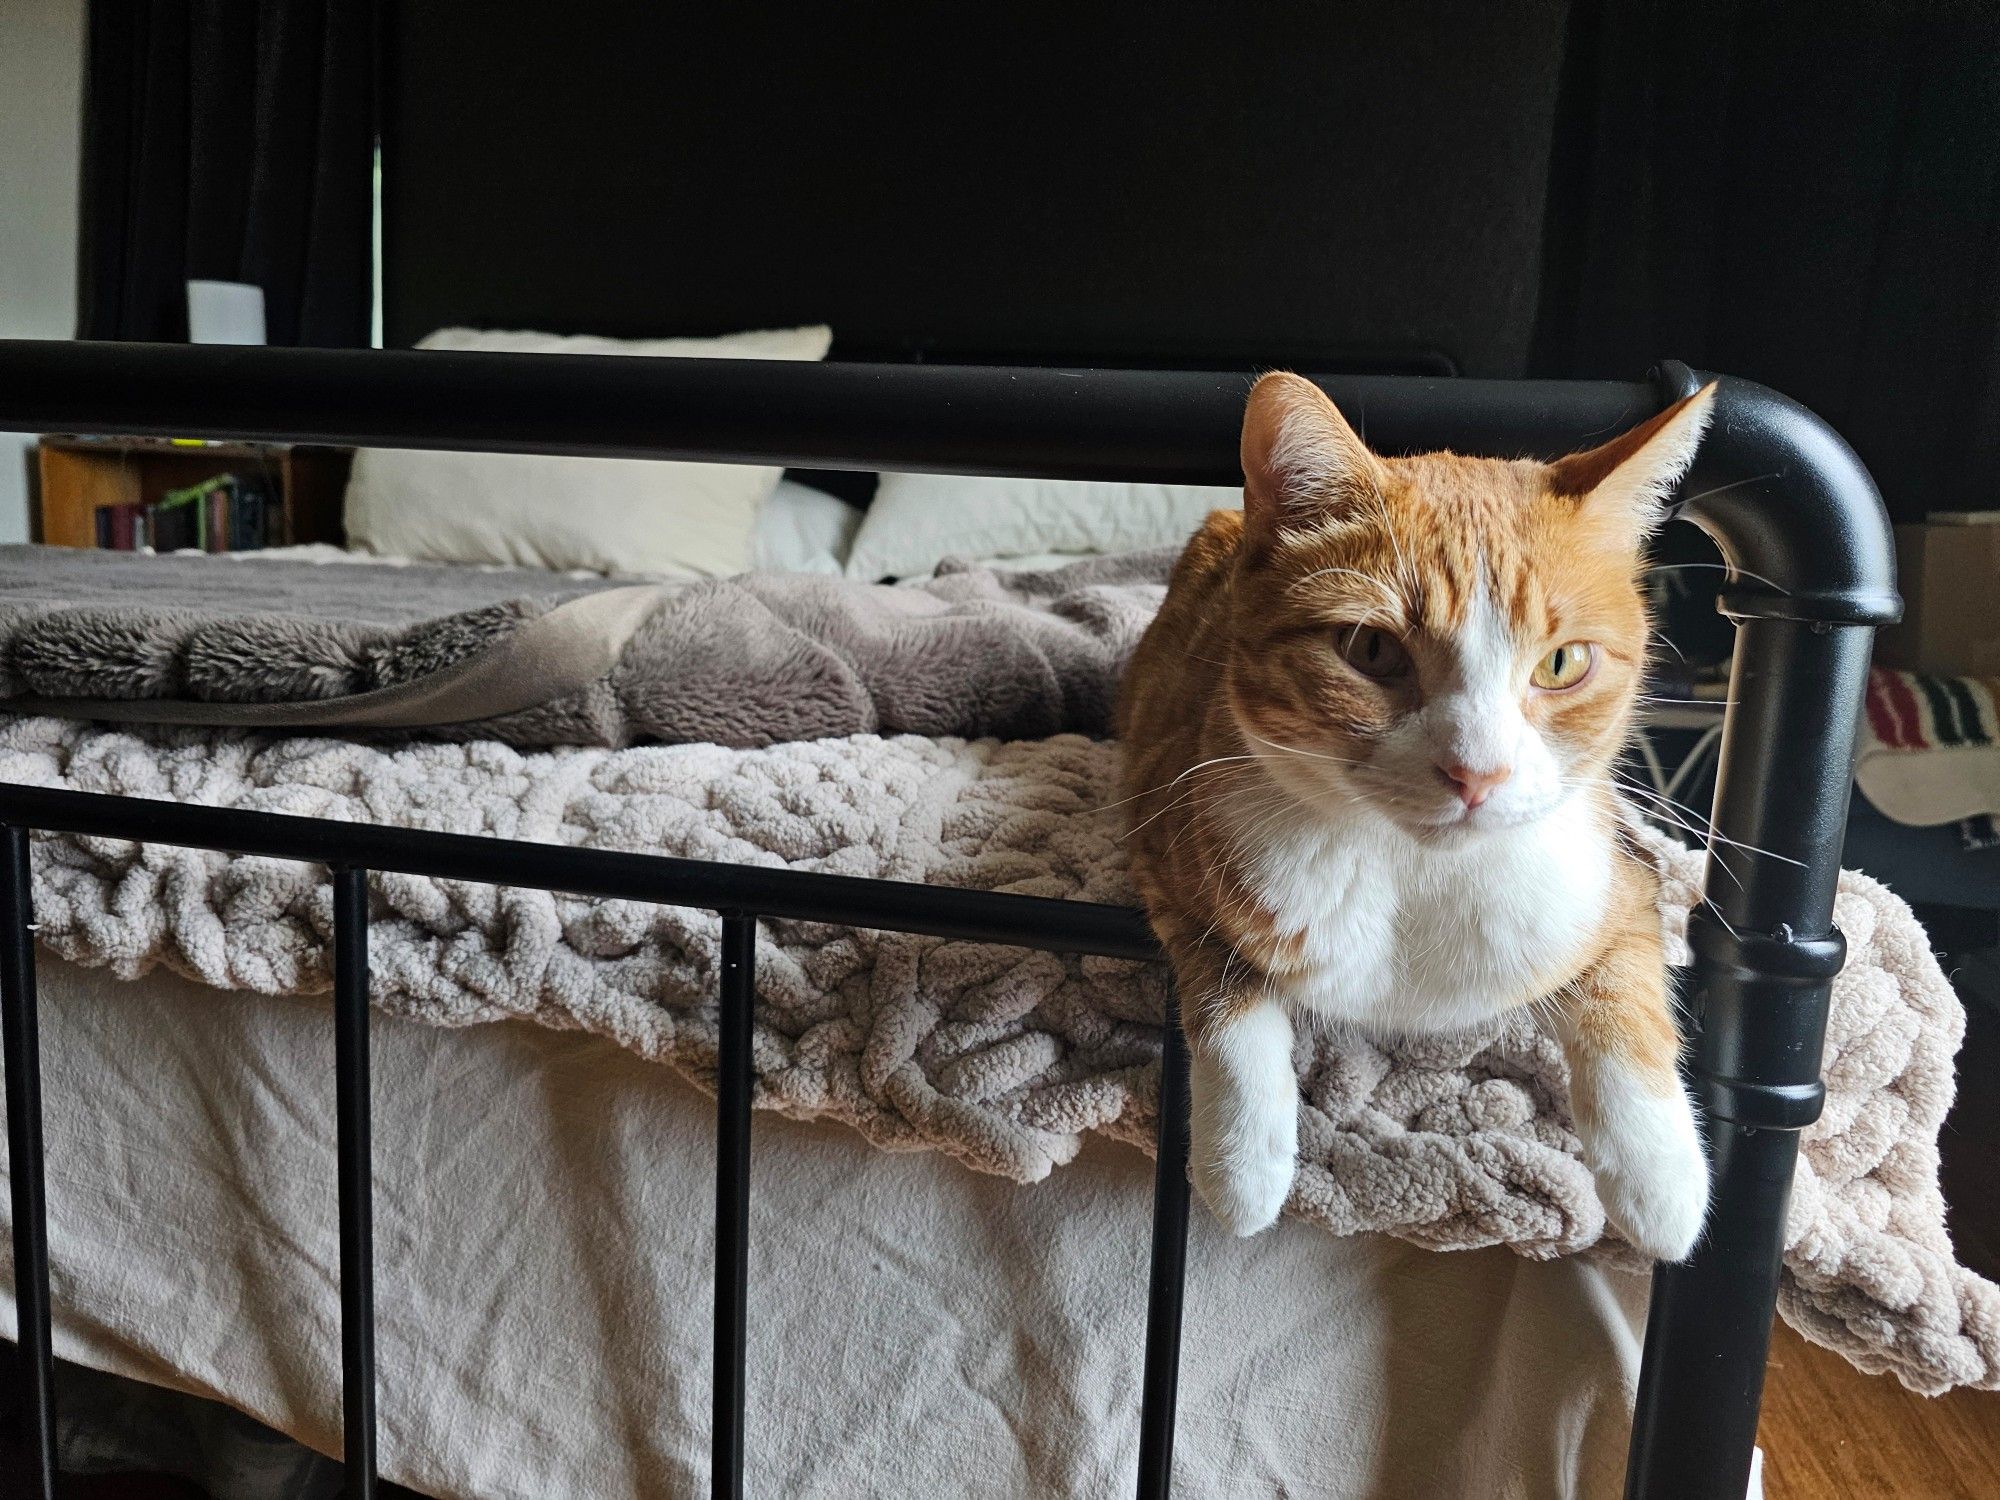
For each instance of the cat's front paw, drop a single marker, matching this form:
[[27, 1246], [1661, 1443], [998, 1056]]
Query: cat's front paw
[[1243, 1127], [1246, 1177], [1652, 1175]]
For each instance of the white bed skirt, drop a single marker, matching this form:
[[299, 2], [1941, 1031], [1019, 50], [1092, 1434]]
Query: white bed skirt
[[543, 1209]]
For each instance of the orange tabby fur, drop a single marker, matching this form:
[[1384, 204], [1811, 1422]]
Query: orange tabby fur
[[1248, 723]]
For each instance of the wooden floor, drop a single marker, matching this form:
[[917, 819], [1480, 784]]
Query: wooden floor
[[1831, 1433]]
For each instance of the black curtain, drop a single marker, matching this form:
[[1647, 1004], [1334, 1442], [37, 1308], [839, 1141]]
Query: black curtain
[[231, 140], [1804, 192]]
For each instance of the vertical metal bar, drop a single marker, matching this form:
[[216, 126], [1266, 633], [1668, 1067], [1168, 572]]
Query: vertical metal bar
[[23, 1053], [732, 1196], [357, 1182], [1764, 955], [1169, 1274]]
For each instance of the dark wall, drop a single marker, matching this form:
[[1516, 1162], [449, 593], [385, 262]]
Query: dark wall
[[1157, 182], [1803, 192]]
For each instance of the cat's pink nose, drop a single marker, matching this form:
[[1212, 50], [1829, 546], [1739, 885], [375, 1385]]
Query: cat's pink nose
[[1474, 787]]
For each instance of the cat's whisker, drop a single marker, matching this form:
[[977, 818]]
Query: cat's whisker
[[1279, 809], [1666, 801], [1177, 802], [1339, 760], [1403, 569], [1716, 912], [1730, 568], [1721, 489], [1689, 828], [1392, 600], [1390, 619], [1165, 785], [1265, 816], [1274, 801], [1671, 813]]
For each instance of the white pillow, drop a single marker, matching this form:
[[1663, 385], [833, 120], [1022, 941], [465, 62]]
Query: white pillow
[[917, 520], [611, 515], [803, 530]]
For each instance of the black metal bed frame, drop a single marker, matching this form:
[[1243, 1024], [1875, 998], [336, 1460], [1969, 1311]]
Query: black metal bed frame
[[1811, 575]]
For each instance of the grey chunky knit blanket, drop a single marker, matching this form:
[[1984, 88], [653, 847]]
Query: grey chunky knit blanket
[[1002, 1058]]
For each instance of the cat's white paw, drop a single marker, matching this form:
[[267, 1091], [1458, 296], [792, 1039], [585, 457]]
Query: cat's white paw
[[1245, 1173], [1651, 1174], [1244, 1127]]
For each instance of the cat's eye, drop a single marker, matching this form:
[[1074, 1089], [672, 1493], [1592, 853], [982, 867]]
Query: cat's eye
[[1565, 667], [1373, 652]]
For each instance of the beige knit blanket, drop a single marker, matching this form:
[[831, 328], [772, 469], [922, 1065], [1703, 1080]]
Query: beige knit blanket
[[999, 1057]]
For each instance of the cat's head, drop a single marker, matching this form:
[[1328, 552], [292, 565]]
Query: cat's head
[[1454, 642]]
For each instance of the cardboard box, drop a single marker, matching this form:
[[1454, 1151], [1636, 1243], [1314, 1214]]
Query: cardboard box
[[1948, 569]]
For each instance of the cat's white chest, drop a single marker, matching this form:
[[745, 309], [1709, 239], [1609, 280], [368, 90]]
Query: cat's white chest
[[1402, 936]]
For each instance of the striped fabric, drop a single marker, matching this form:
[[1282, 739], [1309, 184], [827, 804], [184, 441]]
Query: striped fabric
[[1915, 711]]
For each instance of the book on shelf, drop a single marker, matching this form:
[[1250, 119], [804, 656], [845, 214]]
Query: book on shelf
[[122, 528], [214, 518], [221, 514], [247, 510], [169, 529]]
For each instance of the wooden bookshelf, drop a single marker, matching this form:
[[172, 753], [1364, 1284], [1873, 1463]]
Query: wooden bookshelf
[[80, 474]]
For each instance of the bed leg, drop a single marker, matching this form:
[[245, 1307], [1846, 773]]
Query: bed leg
[[732, 1197], [1709, 1332], [1765, 952], [357, 1181], [1169, 1273], [22, 1047]]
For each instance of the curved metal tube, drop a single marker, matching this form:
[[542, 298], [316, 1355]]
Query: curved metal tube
[[1790, 505], [1813, 561]]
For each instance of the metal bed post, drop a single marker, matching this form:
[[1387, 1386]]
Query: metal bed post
[[1168, 1283], [1813, 573], [734, 1018], [22, 1048], [357, 1180]]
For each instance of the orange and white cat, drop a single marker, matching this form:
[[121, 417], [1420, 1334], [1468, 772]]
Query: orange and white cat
[[1369, 747]]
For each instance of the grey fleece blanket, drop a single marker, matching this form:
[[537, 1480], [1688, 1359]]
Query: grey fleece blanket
[[534, 659]]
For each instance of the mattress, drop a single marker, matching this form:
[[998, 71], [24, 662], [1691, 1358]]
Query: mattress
[[544, 1204]]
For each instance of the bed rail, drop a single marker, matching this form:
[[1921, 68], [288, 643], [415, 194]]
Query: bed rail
[[738, 894], [1811, 575]]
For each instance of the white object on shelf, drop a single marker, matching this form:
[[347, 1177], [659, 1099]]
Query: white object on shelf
[[225, 312]]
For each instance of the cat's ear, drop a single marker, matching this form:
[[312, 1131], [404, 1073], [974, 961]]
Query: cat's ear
[[1624, 485], [1301, 461]]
